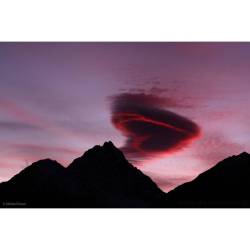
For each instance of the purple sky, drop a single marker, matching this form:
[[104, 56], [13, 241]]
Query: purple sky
[[58, 100]]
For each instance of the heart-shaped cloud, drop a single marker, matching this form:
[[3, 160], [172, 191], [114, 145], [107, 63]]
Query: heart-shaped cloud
[[150, 129]]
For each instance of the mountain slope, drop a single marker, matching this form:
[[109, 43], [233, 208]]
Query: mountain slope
[[113, 181], [102, 177], [35, 186], [225, 185]]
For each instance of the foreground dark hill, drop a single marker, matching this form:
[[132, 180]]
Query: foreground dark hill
[[112, 180], [102, 177], [38, 185], [226, 185]]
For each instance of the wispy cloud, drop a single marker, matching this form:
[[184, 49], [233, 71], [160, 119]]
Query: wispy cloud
[[16, 126]]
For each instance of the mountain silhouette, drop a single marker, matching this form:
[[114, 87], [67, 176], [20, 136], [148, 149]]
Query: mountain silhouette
[[226, 185], [103, 178], [37, 185]]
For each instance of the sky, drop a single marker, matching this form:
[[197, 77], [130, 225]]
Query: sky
[[174, 109]]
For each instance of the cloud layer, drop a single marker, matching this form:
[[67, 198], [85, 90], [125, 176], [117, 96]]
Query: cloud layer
[[150, 129]]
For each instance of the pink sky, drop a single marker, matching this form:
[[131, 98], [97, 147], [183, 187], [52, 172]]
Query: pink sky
[[56, 101]]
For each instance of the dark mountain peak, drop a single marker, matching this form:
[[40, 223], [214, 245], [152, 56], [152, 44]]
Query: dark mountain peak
[[110, 177], [39, 185], [244, 155], [226, 184], [101, 158], [109, 144], [234, 163], [105, 154], [47, 162], [40, 168], [45, 165]]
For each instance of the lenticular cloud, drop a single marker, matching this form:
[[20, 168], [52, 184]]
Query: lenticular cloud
[[150, 129]]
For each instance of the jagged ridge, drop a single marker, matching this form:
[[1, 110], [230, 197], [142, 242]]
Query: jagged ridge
[[102, 177]]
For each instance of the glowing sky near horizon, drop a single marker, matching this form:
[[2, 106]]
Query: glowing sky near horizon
[[59, 99]]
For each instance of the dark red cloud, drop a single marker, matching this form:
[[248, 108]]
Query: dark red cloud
[[150, 129]]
